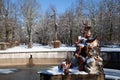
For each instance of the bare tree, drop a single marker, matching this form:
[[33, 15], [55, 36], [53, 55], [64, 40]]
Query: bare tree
[[30, 11], [108, 20], [6, 13], [67, 26], [1, 19], [80, 15]]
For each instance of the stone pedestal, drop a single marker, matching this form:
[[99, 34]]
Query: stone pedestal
[[72, 77], [3, 46], [56, 43]]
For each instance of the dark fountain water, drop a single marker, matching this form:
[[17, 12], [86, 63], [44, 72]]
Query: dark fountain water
[[23, 73]]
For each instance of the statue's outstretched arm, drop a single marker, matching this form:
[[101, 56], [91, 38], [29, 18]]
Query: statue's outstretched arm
[[92, 39]]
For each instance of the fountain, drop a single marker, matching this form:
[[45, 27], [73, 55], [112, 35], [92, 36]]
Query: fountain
[[86, 64]]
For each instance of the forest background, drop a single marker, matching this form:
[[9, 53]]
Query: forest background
[[25, 21]]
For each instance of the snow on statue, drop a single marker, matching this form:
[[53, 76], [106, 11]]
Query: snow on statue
[[87, 53]]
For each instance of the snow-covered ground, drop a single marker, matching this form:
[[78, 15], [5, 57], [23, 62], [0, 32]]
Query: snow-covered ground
[[37, 47], [108, 49]]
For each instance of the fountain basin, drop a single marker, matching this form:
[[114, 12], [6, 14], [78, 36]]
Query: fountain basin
[[55, 74]]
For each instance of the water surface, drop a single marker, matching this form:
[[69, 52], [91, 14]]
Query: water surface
[[24, 73]]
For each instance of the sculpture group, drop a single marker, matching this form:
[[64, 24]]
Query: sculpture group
[[86, 56]]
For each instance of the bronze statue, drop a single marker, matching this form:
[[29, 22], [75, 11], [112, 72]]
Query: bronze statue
[[85, 48], [87, 53]]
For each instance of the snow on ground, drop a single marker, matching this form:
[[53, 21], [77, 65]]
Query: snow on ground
[[37, 47], [107, 49]]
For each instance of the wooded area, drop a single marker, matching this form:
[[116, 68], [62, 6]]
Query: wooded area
[[23, 21]]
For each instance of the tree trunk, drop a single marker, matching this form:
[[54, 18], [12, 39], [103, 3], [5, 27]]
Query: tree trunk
[[30, 39], [111, 31], [7, 35]]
